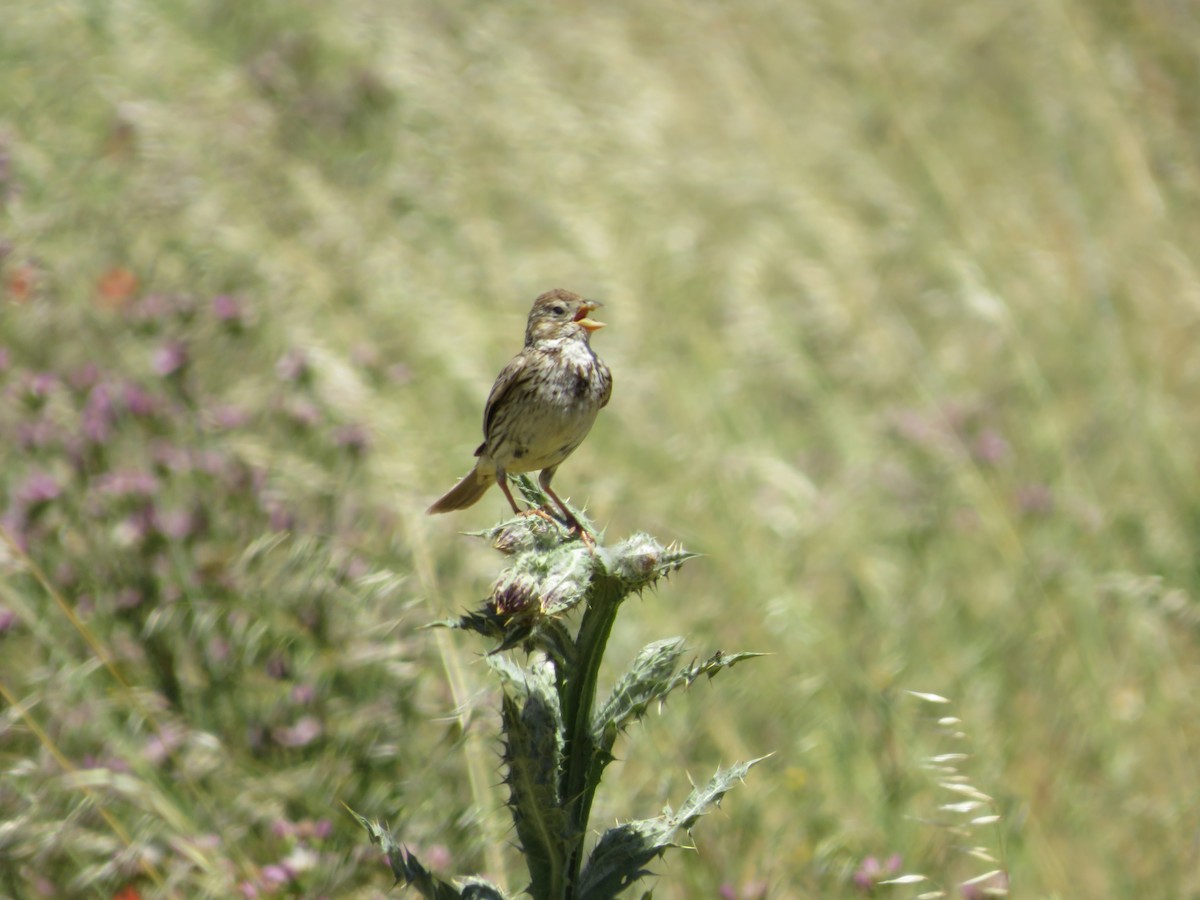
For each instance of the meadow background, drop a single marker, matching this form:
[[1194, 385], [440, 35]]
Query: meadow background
[[904, 313]]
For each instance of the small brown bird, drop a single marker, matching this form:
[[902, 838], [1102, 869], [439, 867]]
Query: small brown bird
[[542, 405]]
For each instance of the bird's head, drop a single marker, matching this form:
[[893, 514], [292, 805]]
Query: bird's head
[[559, 314]]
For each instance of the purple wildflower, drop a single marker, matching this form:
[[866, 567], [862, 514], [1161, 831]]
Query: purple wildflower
[[152, 309], [303, 413], [180, 524], [872, 871], [226, 417], [991, 447], [306, 730], [353, 438], [98, 415], [1035, 499], [293, 366], [303, 694], [36, 435], [323, 828], [37, 388], [85, 377], [437, 856], [128, 598], [228, 309], [139, 401], [170, 359], [279, 517], [127, 483], [275, 875], [38, 489], [161, 745]]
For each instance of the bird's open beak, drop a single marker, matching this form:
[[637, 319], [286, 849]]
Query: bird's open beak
[[582, 318]]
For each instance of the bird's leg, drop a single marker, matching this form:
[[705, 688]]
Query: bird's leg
[[502, 480], [572, 522]]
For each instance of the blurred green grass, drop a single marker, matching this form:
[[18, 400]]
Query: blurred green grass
[[903, 305]]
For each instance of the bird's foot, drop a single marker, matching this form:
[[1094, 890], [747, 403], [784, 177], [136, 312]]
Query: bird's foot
[[586, 537], [574, 527], [539, 512]]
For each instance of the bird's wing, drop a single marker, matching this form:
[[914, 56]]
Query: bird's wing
[[607, 387], [515, 372]]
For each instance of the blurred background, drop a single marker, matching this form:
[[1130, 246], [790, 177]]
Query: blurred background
[[903, 309]]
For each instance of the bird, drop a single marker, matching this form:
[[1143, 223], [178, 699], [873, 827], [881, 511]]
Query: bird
[[542, 405]]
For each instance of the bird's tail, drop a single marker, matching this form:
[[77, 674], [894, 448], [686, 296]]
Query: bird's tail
[[466, 493]]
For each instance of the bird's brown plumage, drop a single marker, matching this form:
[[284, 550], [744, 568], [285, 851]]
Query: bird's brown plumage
[[542, 405]]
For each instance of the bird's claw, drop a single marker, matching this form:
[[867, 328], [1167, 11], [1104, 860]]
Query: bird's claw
[[573, 525], [539, 512], [588, 540]]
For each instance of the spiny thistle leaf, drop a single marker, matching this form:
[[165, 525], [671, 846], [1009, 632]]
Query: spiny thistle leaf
[[476, 888], [620, 856], [710, 667], [704, 798], [531, 491], [537, 679], [648, 679], [554, 639], [511, 630], [408, 869], [533, 757]]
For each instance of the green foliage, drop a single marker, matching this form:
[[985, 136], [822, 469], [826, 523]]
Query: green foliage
[[652, 677], [556, 744], [619, 857], [534, 744], [407, 868], [902, 316]]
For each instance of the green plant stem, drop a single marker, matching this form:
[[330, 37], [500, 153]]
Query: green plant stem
[[579, 789]]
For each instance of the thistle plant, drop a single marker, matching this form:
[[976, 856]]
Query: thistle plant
[[557, 740]]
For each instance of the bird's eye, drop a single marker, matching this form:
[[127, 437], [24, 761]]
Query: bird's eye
[[558, 310]]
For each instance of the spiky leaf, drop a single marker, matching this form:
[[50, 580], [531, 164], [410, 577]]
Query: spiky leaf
[[620, 856], [527, 629], [648, 679], [710, 667], [651, 679], [533, 749], [408, 869], [521, 681], [702, 799], [476, 888]]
